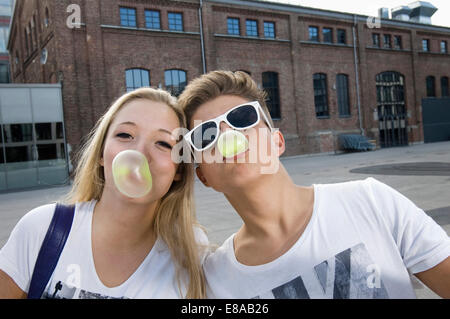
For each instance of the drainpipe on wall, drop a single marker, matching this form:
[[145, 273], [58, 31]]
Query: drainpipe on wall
[[200, 13], [357, 75]]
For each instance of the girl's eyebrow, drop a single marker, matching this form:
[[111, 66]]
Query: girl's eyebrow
[[134, 124]]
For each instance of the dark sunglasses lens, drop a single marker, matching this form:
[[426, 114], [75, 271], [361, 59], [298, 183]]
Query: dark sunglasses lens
[[243, 116], [204, 135]]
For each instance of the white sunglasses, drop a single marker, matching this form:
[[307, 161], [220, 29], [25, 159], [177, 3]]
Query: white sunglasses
[[240, 117]]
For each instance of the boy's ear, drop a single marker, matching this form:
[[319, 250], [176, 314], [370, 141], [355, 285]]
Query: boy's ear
[[279, 142], [200, 176]]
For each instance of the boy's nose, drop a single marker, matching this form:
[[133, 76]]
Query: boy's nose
[[224, 126]]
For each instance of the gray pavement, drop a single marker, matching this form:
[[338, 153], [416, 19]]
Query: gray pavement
[[424, 179]]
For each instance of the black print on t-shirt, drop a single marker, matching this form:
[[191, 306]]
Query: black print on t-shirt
[[349, 274], [62, 291]]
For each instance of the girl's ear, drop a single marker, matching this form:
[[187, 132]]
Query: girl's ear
[[279, 142], [201, 177]]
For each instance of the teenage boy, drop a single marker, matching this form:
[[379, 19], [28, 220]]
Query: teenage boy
[[357, 239]]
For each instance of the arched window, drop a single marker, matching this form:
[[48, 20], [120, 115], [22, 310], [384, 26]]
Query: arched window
[[270, 85], [175, 81], [444, 86], [137, 78], [431, 86], [320, 94], [342, 94]]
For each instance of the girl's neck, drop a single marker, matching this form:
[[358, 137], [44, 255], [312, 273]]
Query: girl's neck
[[124, 223]]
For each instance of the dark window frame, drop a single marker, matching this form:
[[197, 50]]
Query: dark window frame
[[321, 95], [231, 22], [426, 45], [271, 84], [313, 33], [177, 26], [251, 28], [269, 29], [387, 41], [445, 86], [126, 22], [343, 95], [376, 40], [444, 46], [341, 36], [134, 86], [149, 20], [327, 37], [175, 88], [398, 42], [431, 86]]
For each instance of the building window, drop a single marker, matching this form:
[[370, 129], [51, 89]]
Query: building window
[[431, 87], [175, 21], [152, 19], [128, 17], [4, 73], [342, 94], [444, 48], [444, 86], [314, 34], [175, 81], [426, 45], [376, 40], [233, 26], [320, 94], [252, 28], [137, 78], [270, 85], [327, 35], [341, 36], [387, 41], [46, 18], [397, 42], [269, 29]]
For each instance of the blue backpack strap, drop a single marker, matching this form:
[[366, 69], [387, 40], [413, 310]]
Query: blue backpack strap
[[51, 249]]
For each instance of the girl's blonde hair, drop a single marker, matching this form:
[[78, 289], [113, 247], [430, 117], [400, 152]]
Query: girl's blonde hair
[[175, 213]]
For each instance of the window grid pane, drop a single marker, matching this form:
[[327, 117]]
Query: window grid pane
[[152, 19], [175, 21], [128, 17], [444, 86], [314, 34], [342, 37], [431, 89], [252, 28], [233, 26], [137, 78], [175, 81], [269, 30], [327, 35], [342, 91], [320, 95]]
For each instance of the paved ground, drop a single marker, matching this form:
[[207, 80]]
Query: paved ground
[[420, 172]]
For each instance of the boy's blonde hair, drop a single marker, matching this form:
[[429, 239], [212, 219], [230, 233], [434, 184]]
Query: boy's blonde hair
[[216, 83], [175, 213]]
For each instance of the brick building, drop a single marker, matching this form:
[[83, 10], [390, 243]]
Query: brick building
[[327, 73]]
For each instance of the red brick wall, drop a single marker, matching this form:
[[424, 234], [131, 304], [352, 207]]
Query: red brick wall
[[91, 61]]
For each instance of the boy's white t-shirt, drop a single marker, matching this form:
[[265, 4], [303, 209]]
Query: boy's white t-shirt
[[75, 276], [362, 241]]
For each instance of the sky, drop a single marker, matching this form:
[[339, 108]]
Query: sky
[[370, 7]]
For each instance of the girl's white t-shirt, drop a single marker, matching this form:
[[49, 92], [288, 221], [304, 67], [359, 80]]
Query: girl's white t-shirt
[[362, 241], [75, 276]]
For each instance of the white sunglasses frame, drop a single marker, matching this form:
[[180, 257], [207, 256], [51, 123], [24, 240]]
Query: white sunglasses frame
[[223, 118]]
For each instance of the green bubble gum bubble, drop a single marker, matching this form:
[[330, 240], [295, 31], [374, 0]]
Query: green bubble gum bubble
[[232, 143], [131, 174]]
